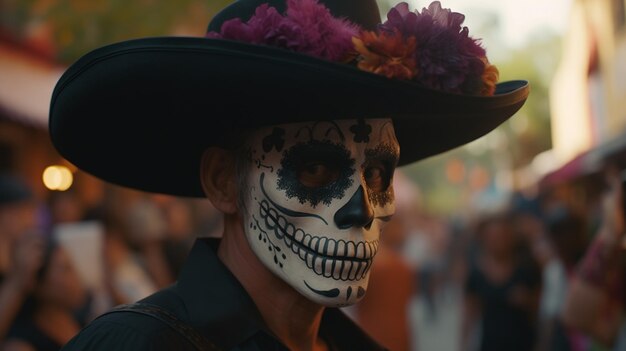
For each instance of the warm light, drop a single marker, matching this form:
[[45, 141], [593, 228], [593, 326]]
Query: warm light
[[57, 178]]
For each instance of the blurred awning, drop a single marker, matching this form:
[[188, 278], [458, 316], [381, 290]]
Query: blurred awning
[[26, 84], [575, 168], [589, 162]]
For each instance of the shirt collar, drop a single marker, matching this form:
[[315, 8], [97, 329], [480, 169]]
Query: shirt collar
[[217, 304], [341, 333], [219, 307]]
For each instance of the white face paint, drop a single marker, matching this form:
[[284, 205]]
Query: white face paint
[[318, 195]]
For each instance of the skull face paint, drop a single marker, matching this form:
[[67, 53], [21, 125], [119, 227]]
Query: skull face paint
[[316, 198]]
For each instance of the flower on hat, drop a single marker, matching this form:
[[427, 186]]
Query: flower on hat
[[430, 47], [306, 27], [489, 78], [447, 58], [386, 53]]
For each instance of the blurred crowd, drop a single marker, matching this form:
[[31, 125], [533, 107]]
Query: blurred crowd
[[72, 257], [539, 274]]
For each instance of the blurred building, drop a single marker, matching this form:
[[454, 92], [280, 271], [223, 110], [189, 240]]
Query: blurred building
[[28, 78], [588, 104], [588, 94]]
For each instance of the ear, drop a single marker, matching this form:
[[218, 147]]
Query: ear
[[217, 173]]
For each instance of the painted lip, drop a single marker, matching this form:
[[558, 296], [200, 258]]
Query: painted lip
[[337, 259]]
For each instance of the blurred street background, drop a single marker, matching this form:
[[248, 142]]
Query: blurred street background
[[512, 242]]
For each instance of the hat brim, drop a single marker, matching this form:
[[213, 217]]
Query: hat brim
[[140, 113]]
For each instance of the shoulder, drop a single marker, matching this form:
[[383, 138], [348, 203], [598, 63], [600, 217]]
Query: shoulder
[[127, 331]]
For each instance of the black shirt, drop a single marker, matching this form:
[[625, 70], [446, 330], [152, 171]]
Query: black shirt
[[505, 326], [209, 298]]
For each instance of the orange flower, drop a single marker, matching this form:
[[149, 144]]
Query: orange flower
[[490, 78], [387, 54]]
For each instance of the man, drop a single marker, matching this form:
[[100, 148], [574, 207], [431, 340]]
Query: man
[[289, 117]]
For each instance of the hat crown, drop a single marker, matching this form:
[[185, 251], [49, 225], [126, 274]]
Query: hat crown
[[364, 13]]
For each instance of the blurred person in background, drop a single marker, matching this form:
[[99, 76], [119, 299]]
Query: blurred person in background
[[75, 221], [528, 221], [596, 299], [502, 290], [65, 207], [566, 232], [20, 247], [147, 229], [47, 319], [127, 276], [427, 249]]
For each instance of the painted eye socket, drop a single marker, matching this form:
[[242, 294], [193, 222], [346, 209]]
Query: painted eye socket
[[316, 171], [376, 177], [315, 174]]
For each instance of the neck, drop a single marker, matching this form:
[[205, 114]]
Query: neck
[[292, 318]]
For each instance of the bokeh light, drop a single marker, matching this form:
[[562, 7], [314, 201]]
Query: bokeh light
[[58, 178]]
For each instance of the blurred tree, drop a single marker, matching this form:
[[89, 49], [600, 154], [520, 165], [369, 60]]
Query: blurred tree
[[530, 128], [74, 27]]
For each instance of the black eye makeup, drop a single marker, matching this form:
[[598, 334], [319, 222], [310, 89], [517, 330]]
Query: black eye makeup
[[377, 172], [316, 171]]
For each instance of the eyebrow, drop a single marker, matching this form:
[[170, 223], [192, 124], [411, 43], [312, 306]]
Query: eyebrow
[[383, 152]]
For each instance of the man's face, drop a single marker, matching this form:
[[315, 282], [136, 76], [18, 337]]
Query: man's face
[[317, 197]]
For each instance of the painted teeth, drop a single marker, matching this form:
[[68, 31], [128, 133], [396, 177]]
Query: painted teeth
[[302, 254], [346, 270], [340, 249], [317, 265], [327, 264], [359, 270], [313, 245], [295, 249], [360, 250], [350, 249], [352, 270], [330, 247], [307, 240], [309, 260], [339, 259], [299, 236]]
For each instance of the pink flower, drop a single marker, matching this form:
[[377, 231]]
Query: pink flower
[[447, 57], [306, 27], [255, 31]]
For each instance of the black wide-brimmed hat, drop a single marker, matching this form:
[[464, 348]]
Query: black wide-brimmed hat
[[140, 113]]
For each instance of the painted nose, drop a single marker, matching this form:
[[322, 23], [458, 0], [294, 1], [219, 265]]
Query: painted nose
[[356, 213]]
